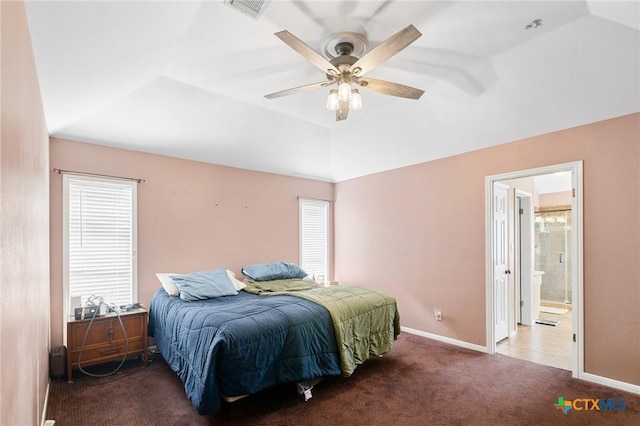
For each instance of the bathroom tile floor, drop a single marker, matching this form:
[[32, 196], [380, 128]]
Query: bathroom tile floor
[[542, 344]]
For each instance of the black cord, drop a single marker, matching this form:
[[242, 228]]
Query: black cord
[[86, 333]]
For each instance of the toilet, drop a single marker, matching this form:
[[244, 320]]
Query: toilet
[[537, 288]]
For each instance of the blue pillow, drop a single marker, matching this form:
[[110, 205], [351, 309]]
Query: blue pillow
[[273, 271], [204, 285]]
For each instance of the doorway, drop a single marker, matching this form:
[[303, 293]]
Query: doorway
[[524, 249]]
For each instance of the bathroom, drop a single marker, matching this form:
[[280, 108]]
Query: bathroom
[[552, 255]]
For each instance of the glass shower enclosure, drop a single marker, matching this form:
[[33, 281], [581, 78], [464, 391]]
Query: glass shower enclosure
[[553, 254]]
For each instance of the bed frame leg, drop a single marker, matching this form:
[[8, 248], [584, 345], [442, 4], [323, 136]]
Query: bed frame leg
[[305, 390]]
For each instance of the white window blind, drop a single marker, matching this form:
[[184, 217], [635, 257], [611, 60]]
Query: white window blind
[[314, 237], [100, 239]]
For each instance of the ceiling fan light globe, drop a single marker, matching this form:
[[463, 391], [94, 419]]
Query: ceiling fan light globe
[[344, 92], [332, 100], [356, 100]]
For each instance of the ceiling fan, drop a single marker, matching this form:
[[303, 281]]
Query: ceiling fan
[[345, 68]]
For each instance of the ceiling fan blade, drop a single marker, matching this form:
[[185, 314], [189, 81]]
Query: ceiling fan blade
[[343, 111], [308, 53], [300, 89], [387, 49], [389, 88]]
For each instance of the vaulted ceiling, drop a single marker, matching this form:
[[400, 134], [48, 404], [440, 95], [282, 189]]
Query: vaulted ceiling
[[188, 79]]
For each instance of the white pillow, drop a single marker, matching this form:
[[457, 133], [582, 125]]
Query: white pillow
[[168, 284], [239, 285]]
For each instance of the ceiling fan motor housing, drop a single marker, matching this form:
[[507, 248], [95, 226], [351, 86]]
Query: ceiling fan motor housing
[[343, 63], [344, 48]]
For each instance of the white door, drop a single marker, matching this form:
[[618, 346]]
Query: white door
[[501, 260], [524, 259]]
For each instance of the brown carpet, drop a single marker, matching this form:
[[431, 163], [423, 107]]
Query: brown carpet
[[420, 382]]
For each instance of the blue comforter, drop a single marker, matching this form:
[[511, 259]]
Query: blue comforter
[[237, 345]]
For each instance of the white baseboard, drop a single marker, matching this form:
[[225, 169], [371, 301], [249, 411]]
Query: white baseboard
[[616, 384], [446, 339], [43, 418]]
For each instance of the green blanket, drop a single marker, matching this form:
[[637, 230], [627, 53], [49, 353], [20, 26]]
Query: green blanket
[[366, 322]]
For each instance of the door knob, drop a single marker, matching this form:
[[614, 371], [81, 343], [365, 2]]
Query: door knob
[[508, 271]]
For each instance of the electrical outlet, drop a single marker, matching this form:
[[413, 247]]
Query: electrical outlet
[[438, 315]]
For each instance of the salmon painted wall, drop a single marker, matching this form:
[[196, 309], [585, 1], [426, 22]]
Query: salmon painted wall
[[24, 228], [418, 233], [192, 216]]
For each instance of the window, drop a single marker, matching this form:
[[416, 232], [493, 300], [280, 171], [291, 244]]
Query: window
[[314, 237], [99, 233]]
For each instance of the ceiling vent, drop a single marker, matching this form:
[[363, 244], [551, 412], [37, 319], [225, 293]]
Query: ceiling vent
[[253, 8]]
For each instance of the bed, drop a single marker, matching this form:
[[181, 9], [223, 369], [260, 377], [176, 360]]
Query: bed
[[269, 333]]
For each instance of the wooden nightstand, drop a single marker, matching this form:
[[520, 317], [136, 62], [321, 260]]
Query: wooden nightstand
[[105, 340]]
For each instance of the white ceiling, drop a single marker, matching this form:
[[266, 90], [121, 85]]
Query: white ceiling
[[553, 182], [187, 79]]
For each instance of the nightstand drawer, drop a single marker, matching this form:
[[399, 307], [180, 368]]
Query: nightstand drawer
[[96, 354]]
